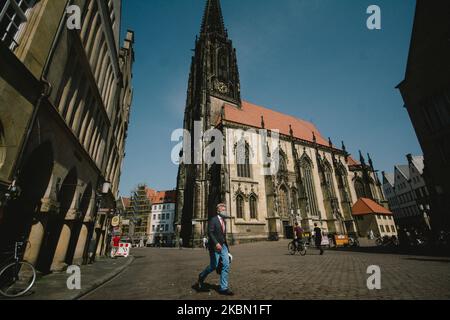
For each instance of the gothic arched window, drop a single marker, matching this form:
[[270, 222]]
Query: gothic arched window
[[283, 165], [243, 162], [329, 180], [240, 207], [222, 65], [310, 189], [341, 175], [253, 208], [284, 202], [359, 188]]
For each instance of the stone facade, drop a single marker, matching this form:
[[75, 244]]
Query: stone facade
[[315, 182], [426, 93], [65, 102], [408, 195]]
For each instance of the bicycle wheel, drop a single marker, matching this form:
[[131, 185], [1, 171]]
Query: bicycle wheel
[[292, 249], [17, 279], [303, 250]]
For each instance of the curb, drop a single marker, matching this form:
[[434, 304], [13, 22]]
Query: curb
[[102, 280]]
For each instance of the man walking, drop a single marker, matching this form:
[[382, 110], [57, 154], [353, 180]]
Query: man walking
[[318, 238], [218, 249]]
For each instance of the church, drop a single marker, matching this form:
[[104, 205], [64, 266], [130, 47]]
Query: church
[[316, 181]]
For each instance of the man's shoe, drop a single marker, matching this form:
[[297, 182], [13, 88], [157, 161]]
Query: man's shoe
[[201, 282], [227, 292]]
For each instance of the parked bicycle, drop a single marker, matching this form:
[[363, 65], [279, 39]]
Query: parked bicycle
[[387, 241], [17, 277], [297, 246]]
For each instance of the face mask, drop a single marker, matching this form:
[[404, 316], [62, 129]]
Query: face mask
[[223, 213]]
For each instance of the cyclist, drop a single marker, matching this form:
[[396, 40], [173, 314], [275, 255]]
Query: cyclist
[[298, 235]]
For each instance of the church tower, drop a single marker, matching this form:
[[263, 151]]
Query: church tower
[[213, 81]]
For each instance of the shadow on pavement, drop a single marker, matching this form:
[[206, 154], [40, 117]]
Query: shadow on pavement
[[207, 288], [428, 260], [426, 251]]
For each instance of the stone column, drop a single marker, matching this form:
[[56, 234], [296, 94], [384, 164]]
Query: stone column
[[81, 245], [100, 244], [35, 238], [59, 261]]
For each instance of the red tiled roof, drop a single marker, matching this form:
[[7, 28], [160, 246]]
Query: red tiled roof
[[251, 114], [151, 193], [366, 206], [161, 197], [352, 162]]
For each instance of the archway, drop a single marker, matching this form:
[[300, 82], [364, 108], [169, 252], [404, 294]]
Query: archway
[[78, 225], [33, 179], [55, 222]]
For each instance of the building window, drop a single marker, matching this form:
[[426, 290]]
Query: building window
[[240, 207], [253, 208], [309, 187], [222, 65], [382, 228], [283, 166], [243, 161], [284, 203], [393, 229], [13, 15], [359, 187], [153, 228]]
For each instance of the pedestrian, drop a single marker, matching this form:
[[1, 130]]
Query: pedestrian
[[298, 231], [318, 238], [116, 243], [218, 249], [180, 243], [91, 250]]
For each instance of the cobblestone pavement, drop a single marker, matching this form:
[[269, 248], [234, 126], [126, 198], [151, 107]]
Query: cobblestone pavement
[[54, 286], [266, 271]]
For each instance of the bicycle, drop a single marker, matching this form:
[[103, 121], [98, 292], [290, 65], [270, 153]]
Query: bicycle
[[297, 246], [18, 277]]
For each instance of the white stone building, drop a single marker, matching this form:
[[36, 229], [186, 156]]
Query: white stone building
[[161, 223]]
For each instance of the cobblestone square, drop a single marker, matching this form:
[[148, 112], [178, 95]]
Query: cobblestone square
[[266, 271]]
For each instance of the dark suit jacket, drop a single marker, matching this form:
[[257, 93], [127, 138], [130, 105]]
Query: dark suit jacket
[[215, 233]]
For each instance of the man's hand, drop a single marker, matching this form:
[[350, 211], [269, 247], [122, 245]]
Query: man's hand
[[218, 248]]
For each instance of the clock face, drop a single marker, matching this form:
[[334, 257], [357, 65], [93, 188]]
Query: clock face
[[222, 87]]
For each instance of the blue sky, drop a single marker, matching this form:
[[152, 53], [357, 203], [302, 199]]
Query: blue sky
[[314, 59]]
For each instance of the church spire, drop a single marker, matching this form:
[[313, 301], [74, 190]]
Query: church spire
[[213, 19]]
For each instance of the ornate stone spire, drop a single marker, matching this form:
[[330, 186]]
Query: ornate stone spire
[[213, 19]]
